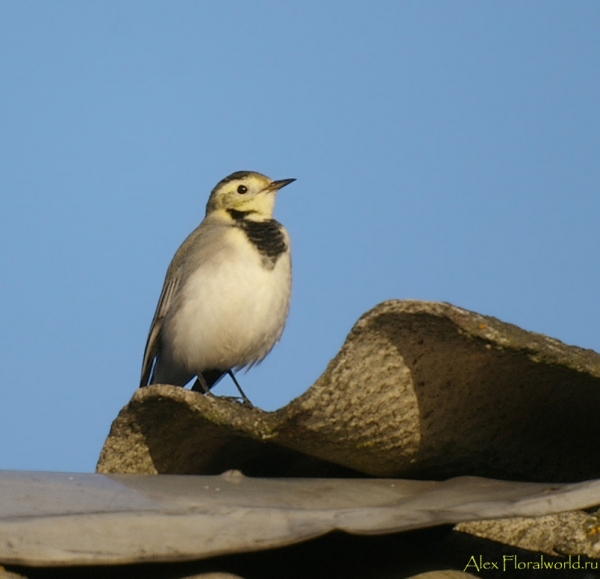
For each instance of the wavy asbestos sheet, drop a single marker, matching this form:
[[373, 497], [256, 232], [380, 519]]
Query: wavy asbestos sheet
[[77, 519], [419, 389]]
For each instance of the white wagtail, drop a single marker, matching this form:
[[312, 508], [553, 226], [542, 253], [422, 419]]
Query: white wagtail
[[226, 294]]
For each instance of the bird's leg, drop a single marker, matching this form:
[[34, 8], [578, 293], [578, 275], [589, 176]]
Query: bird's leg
[[244, 397], [200, 385]]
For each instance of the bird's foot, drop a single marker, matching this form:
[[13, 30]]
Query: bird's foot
[[241, 401]]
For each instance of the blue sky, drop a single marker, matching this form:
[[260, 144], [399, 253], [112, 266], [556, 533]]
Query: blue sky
[[444, 151]]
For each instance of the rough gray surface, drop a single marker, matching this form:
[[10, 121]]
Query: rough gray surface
[[50, 519], [419, 389], [571, 533]]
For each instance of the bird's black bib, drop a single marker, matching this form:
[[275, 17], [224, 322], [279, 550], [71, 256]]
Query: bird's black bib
[[267, 236]]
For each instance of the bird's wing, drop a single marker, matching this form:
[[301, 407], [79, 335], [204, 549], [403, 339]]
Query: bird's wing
[[186, 259], [164, 303]]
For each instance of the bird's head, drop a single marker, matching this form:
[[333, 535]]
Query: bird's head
[[246, 191]]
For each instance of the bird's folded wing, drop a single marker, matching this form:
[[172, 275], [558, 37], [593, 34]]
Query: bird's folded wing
[[164, 303]]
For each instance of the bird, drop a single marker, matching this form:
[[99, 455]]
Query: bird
[[226, 293]]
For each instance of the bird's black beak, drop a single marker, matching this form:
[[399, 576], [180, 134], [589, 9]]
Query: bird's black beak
[[276, 185]]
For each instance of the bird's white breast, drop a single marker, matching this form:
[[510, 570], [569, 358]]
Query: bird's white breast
[[232, 308]]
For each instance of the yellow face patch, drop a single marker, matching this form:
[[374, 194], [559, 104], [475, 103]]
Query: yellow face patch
[[243, 191], [246, 191]]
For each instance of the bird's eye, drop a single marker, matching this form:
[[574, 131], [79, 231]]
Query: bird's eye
[[242, 189]]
